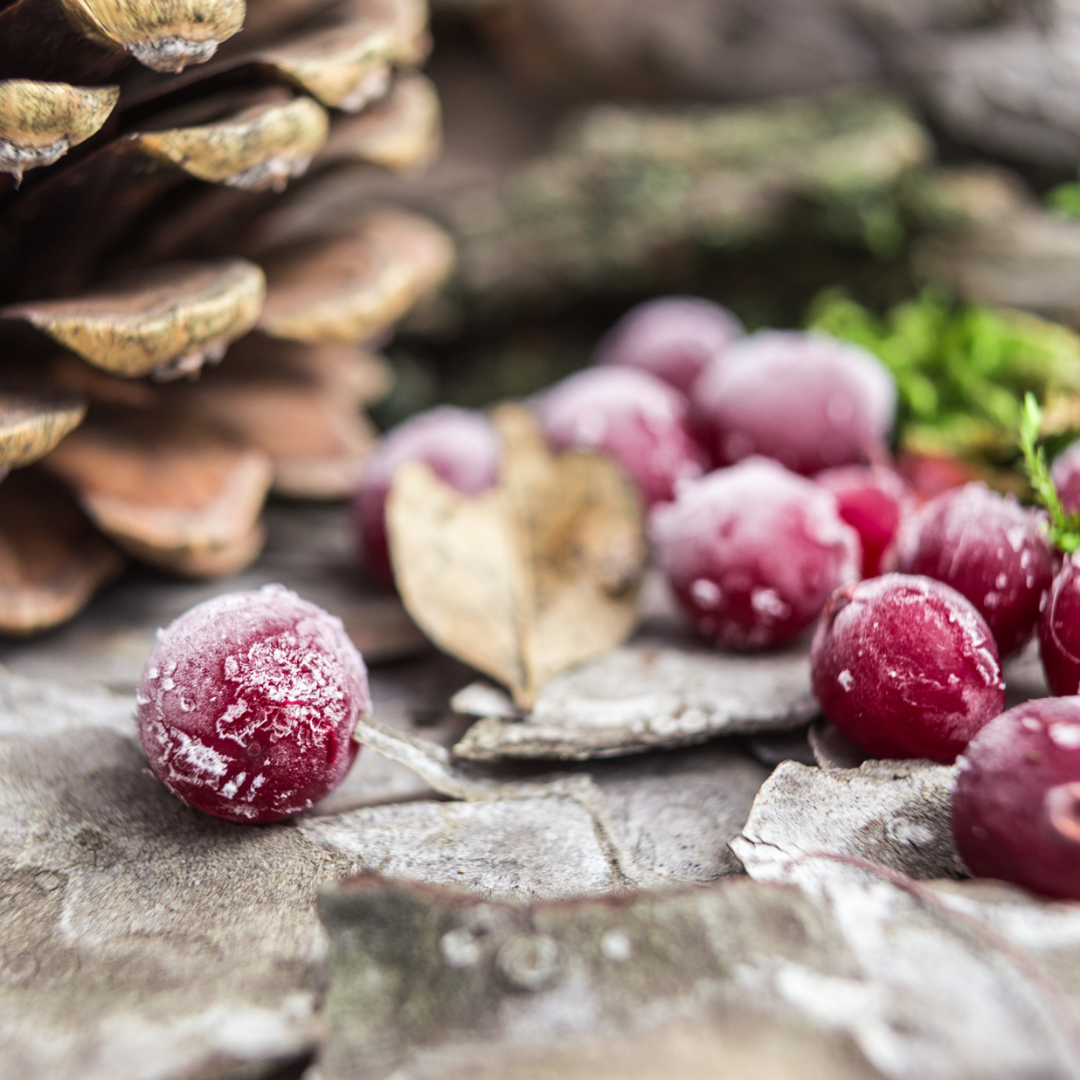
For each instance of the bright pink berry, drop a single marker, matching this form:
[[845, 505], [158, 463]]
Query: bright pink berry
[[459, 445], [988, 548], [672, 338], [872, 499], [631, 415], [248, 702], [753, 552], [807, 400], [1059, 630], [1016, 807], [905, 667], [1065, 472]]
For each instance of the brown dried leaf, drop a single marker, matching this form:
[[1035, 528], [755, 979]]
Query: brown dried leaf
[[181, 496], [401, 132], [350, 287], [529, 578], [41, 121], [32, 424], [164, 35], [52, 560], [260, 147], [166, 322]]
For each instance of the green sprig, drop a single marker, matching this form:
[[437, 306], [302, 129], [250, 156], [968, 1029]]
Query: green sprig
[[1064, 530]]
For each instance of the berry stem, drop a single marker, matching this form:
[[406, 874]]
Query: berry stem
[[1064, 532]]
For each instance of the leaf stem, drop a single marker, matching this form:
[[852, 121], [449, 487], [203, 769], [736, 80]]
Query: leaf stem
[[1064, 532]]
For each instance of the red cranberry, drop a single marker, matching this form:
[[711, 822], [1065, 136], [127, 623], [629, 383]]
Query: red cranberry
[[872, 499], [931, 474], [808, 400], [1059, 630], [631, 415], [1016, 808], [753, 552], [905, 667], [1065, 472], [248, 702], [672, 338], [461, 447], [991, 550]]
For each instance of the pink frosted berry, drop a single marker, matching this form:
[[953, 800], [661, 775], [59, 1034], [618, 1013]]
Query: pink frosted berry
[[460, 446], [905, 667], [1059, 630], [873, 500], [248, 702], [991, 550], [672, 338], [1016, 807], [631, 415], [753, 552], [807, 400], [1065, 473]]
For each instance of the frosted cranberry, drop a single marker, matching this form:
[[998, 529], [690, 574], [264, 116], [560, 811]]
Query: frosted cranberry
[[808, 400], [905, 667], [672, 338], [753, 552], [872, 499], [1016, 807], [248, 702], [1065, 472], [459, 445], [931, 474], [631, 415], [1059, 630], [990, 549]]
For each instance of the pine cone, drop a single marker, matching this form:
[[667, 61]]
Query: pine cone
[[144, 149]]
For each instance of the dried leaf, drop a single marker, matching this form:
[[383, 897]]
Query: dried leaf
[[164, 35], [258, 148], [351, 287], [32, 424], [179, 496], [52, 560], [896, 813], [540, 573], [41, 121], [166, 322], [654, 692], [401, 132]]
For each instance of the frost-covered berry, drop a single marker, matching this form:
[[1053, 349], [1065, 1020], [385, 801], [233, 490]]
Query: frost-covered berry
[[460, 446], [1065, 473], [1016, 806], [1059, 630], [673, 338], [988, 548], [248, 702], [807, 400], [631, 415], [753, 552], [873, 500], [906, 667]]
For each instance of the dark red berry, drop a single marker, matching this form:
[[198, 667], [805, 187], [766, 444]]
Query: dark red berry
[[1059, 630], [1016, 807], [905, 667], [929, 475], [1065, 472], [991, 550], [672, 338], [248, 702], [807, 400], [872, 499], [462, 448], [753, 552], [631, 415]]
